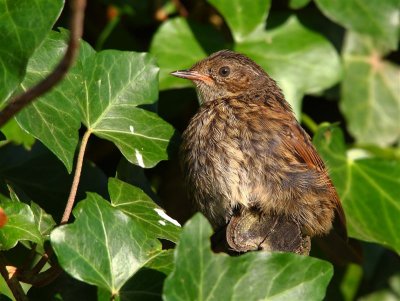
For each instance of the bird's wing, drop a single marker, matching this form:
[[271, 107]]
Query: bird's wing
[[299, 142]]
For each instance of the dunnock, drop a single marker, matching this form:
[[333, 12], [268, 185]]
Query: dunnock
[[245, 150]]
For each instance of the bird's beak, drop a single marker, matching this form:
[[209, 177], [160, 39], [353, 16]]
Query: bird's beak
[[192, 75]]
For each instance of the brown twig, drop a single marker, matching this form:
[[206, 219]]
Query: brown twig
[[22, 100], [41, 279], [77, 176], [12, 281], [180, 8]]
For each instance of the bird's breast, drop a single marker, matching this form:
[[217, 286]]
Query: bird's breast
[[219, 155]]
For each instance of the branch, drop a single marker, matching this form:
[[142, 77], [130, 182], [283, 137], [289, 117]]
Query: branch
[[12, 281], [180, 8], [77, 176], [22, 100]]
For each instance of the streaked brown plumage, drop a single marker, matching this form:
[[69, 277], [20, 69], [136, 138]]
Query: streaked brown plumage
[[245, 149]]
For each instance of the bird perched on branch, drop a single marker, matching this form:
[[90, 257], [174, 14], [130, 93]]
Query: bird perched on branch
[[244, 150]]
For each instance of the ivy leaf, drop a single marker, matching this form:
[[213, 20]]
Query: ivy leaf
[[103, 91], [20, 226], [368, 188], [147, 283], [176, 44], [136, 204], [14, 133], [23, 26], [243, 16], [297, 4], [199, 274], [54, 118], [43, 220], [370, 92], [116, 83], [103, 247], [300, 60], [379, 19]]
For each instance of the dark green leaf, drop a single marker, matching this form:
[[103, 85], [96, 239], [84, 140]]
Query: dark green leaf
[[39, 176], [368, 188], [296, 4], [116, 83], [21, 225], [23, 26], [370, 92], [377, 18], [147, 283], [54, 118], [199, 274], [135, 203], [244, 17], [135, 175], [103, 91], [301, 61], [103, 246]]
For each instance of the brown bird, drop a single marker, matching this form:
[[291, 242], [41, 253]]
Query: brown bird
[[244, 149]]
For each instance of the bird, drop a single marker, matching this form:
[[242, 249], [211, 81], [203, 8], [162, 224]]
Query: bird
[[244, 150]]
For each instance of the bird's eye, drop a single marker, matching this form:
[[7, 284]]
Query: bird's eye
[[224, 71]]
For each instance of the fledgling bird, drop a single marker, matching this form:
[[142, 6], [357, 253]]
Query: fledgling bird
[[244, 149]]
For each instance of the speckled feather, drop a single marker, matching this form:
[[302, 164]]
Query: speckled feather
[[245, 149]]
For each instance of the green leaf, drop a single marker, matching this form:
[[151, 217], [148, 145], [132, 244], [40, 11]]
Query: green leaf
[[23, 26], [103, 91], [301, 61], [147, 283], [43, 220], [297, 4], [115, 85], [103, 246], [368, 188], [135, 203], [370, 92], [21, 225], [16, 134], [199, 274], [377, 18], [176, 47], [54, 118], [244, 17]]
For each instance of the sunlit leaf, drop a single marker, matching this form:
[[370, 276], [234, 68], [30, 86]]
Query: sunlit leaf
[[103, 91], [301, 61], [370, 92], [368, 188], [20, 226], [377, 18], [176, 45], [115, 85], [14, 133], [243, 16], [103, 246], [199, 274], [135, 203]]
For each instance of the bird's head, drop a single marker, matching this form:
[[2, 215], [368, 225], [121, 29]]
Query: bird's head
[[225, 74]]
